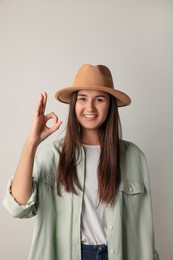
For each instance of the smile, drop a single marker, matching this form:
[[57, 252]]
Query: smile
[[90, 116]]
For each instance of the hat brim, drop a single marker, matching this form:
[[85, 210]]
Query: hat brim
[[64, 95]]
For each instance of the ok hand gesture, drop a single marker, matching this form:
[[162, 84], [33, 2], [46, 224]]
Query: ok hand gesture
[[39, 130]]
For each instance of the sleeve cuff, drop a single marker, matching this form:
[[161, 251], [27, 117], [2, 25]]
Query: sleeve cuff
[[17, 210]]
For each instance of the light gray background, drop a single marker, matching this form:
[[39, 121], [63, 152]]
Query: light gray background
[[44, 42]]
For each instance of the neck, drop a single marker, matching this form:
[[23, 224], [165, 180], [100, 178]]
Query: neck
[[90, 137]]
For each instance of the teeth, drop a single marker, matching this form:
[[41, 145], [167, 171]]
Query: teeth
[[89, 116]]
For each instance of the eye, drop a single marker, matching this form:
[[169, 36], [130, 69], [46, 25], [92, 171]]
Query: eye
[[82, 99], [100, 100]]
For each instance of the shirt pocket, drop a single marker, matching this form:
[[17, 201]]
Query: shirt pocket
[[131, 187], [132, 194]]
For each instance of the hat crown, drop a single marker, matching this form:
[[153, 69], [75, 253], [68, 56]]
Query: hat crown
[[89, 75]]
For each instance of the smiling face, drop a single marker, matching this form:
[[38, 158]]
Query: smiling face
[[91, 110]]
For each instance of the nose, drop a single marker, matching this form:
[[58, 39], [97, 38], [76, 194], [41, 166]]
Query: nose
[[91, 106]]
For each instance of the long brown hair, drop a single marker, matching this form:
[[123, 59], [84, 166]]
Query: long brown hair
[[109, 175]]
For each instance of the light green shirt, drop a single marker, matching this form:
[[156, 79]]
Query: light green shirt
[[57, 233]]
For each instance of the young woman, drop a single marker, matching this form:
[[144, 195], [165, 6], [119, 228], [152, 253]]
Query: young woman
[[90, 192]]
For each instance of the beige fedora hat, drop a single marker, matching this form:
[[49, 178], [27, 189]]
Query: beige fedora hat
[[91, 77]]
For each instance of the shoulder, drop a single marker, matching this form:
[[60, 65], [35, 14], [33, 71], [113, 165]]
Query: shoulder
[[47, 156], [130, 149], [133, 161], [50, 148]]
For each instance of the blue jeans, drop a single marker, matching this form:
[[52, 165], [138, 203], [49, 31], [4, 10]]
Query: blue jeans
[[94, 252]]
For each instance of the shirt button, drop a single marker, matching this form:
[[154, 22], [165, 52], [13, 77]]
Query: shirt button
[[110, 227], [130, 189], [112, 251], [109, 205]]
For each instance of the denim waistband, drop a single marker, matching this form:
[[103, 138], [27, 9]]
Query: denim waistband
[[94, 252]]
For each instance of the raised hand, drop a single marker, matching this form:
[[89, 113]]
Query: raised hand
[[39, 130], [22, 183]]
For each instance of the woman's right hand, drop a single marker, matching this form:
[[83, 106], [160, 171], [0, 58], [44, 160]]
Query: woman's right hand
[[39, 130], [21, 188]]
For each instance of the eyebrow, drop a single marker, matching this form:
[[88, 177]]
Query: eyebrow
[[85, 95]]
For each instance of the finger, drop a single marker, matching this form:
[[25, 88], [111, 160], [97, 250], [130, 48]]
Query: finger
[[55, 119], [44, 101], [39, 106], [51, 115], [55, 127]]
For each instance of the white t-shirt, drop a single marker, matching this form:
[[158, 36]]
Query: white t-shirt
[[93, 222]]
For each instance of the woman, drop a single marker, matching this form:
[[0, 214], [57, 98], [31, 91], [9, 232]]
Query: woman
[[90, 192]]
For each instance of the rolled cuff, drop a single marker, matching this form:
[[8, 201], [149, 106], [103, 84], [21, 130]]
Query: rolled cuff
[[17, 210]]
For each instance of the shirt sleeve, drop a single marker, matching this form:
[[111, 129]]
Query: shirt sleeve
[[146, 225], [146, 209], [138, 226], [17, 210]]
